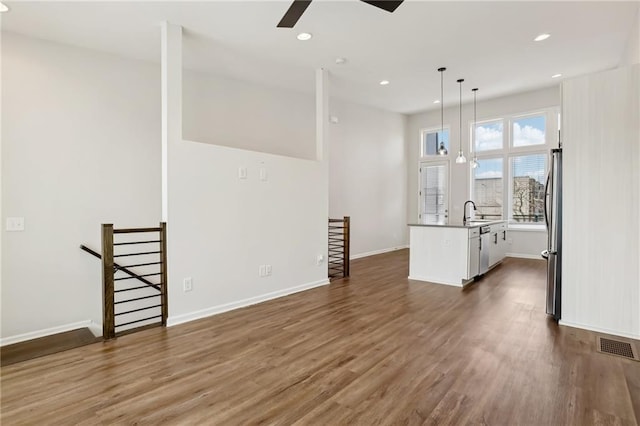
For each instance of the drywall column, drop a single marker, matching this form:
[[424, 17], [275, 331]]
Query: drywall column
[[322, 140], [171, 53], [322, 114]]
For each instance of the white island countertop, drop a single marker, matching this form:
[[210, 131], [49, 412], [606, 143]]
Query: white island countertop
[[458, 224]]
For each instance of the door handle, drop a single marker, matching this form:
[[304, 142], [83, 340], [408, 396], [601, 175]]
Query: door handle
[[504, 235], [545, 201], [495, 238]]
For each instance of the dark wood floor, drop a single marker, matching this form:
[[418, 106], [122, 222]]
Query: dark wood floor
[[375, 349], [47, 345]]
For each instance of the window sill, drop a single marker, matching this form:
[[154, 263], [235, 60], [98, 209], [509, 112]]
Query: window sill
[[527, 228]]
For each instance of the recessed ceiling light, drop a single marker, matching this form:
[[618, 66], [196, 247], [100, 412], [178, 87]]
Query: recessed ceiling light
[[3, 8], [542, 36], [556, 75], [437, 101], [340, 61], [304, 36], [384, 82]]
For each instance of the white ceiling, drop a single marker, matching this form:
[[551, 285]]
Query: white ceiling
[[490, 44]]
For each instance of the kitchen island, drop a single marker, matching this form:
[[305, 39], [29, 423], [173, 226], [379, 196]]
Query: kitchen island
[[455, 253]]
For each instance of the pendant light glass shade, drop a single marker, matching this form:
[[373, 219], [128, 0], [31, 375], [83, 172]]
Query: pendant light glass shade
[[460, 159], [442, 150], [474, 161]]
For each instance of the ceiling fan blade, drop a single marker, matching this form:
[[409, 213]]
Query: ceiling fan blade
[[388, 5], [294, 13]]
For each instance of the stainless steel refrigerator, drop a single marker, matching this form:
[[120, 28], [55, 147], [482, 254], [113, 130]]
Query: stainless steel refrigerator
[[553, 219]]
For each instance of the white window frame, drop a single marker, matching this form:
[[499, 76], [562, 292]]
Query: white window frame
[[432, 162], [490, 152], [511, 156], [546, 145], [423, 156], [508, 151]]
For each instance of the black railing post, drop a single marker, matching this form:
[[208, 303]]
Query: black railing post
[[164, 285], [346, 238]]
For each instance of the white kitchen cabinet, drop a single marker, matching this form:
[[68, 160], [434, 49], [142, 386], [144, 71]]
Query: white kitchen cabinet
[[473, 253], [497, 243], [448, 253], [601, 201]]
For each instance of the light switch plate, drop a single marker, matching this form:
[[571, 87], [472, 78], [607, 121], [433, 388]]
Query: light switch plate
[[15, 224], [242, 172], [263, 174]]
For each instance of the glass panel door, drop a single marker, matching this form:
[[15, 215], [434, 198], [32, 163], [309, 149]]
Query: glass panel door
[[434, 192]]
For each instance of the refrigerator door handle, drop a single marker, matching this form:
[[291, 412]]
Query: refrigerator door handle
[[546, 202]]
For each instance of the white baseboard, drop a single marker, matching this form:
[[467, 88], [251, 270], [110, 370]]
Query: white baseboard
[[373, 253], [46, 332], [599, 329], [192, 316], [525, 256], [429, 280], [96, 329]]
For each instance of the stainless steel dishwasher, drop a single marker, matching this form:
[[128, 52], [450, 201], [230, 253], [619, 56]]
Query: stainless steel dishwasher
[[485, 246]]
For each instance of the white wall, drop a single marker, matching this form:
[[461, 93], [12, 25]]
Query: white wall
[[601, 244], [525, 243], [221, 227], [223, 111], [81, 147], [631, 54], [367, 176]]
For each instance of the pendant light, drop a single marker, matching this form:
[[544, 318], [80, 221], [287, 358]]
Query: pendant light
[[474, 160], [460, 159], [442, 150]]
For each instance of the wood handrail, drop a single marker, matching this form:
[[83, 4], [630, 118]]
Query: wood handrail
[[122, 268]]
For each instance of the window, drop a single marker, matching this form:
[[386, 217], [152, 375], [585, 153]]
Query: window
[[529, 131], [487, 188], [527, 188], [489, 136], [430, 141], [434, 191], [512, 167]]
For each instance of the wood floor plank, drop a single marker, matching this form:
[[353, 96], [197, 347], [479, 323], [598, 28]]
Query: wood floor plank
[[376, 348]]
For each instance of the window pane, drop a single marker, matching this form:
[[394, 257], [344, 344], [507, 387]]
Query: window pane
[[434, 193], [489, 136], [529, 131], [487, 188], [527, 188], [430, 144]]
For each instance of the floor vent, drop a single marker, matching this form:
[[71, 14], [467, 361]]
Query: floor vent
[[616, 347]]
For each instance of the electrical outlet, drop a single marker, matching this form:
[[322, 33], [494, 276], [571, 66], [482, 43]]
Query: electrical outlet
[[15, 224], [263, 174], [319, 260], [262, 271], [187, 284], [267, 270]]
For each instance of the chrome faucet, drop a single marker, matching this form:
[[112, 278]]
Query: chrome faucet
[[464, 211]]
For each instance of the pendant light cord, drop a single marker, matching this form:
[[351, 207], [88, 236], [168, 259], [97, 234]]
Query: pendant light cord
[[460, 81], [474, 160], [442, 100]]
